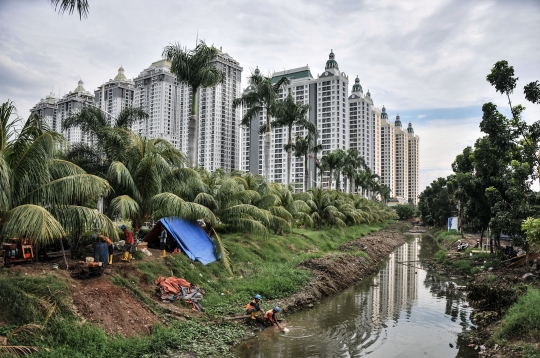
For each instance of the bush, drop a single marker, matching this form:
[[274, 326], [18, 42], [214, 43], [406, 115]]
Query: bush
[[463, 265], [522, 319], [440, 256], [405, 211]]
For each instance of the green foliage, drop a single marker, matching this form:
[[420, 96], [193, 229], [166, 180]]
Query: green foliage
[[440, 256], [522, 321], [405, 211], [531, 227], [463, 265]]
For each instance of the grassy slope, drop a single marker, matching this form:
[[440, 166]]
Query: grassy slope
[[267, 267]]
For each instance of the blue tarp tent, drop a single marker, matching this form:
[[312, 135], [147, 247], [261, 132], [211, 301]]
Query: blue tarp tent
[[193, 240]]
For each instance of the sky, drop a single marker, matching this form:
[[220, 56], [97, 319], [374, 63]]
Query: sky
[[424, 60]]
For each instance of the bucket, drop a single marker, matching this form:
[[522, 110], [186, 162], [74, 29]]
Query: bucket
[[101, 252]]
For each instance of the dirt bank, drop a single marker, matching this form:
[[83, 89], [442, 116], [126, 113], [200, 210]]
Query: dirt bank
[[336, 272]]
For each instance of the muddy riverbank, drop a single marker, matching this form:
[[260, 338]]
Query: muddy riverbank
[[336, 272], [492, 290]]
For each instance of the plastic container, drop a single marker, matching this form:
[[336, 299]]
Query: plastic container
[[101, 252]]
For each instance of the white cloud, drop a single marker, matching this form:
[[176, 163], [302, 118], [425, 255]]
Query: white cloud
[[440, 142]]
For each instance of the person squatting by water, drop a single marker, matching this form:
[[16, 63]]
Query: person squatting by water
[[109, 245], [128, 248], [270, 317], [253, 308], [163, 241]]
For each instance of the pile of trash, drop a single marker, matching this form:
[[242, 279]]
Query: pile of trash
[[173, 288]]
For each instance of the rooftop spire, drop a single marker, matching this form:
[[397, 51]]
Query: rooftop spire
[[356, 87], [331, 63]]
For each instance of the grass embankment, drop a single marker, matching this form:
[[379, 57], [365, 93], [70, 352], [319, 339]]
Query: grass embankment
[[464, 262], [267, 267]]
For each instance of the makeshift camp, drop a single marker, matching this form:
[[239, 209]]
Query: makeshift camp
[[191, 238], [172, 288]]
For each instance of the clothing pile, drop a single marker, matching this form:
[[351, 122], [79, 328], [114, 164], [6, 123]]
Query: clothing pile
[[173, 288]]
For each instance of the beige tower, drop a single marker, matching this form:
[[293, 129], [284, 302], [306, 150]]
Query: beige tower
[[402, 162], [414, 164], [388, 153]]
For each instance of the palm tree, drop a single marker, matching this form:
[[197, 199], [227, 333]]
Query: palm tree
[[353, 161], [323, 208], [195, 67], [302, 148], [233, 206], [153, 182], [334, 163], [70, 6], [261, 97], [289, 114], [41, 196], [109, 140]]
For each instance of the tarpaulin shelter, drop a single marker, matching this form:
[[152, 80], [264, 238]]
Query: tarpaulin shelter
[[191, 238]]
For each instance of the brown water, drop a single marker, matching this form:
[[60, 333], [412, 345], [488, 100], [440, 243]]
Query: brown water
[[406, 310]]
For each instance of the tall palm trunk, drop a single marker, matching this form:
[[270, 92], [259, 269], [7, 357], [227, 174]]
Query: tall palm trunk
[[267, 136], [193, 132], [307, 183], [330, 180], [289, 156]]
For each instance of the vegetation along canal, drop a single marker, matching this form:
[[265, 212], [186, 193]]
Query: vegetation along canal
[[405, 310]]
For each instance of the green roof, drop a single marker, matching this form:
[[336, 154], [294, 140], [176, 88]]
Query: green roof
[[293, 75]]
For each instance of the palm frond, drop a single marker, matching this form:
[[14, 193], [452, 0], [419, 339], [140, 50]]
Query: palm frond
[[168, 204], [81, 6], [34, 222], [62, 168], [78, 188], [124, 207], [207, 200], [223, 253], [78, 219], [119, 175], [17, 351]]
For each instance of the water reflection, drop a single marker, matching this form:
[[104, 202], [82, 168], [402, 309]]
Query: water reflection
[[388, 315]]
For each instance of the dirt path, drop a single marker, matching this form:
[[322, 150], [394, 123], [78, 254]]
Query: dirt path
[[336, 272]]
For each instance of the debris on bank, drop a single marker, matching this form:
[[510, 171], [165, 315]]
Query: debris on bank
[[173, 288]]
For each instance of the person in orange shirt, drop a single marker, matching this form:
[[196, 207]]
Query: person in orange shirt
[[253, 307], [270, 317], [128, 248], [109, 245]]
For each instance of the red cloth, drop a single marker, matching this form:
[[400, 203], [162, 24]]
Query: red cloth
[[129, 237]]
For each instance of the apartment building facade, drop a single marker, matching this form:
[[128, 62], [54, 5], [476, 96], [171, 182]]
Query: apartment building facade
[[115, 95]]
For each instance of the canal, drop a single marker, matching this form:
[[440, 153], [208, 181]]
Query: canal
[[405, 310]]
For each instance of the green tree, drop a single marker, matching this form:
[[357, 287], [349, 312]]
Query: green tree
[[110, 137], [405, 211], [289, 113], [334, 162], [41, 196], [153, 183], [436, 204], [352, 163], [261, 97], [196, 68]]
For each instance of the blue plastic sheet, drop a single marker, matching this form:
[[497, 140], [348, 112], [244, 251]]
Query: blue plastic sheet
[[192, 239]]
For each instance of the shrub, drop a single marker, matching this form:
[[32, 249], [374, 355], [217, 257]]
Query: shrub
[[463, 265], [440, 256]]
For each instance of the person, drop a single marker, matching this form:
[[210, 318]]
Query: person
[[270, 317], [253, 307], [163, 241], [109, 245], [128, 248]]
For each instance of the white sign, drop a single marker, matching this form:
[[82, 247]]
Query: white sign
[[453, 223]]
